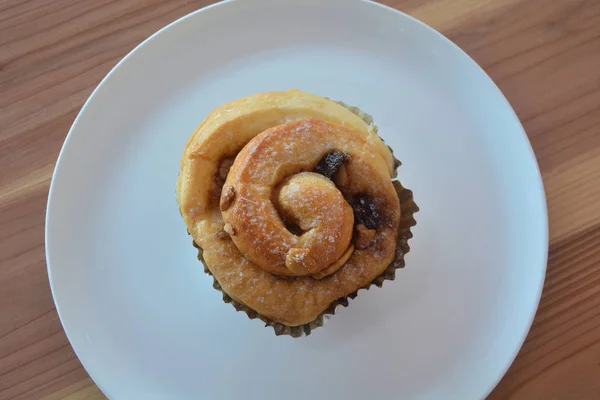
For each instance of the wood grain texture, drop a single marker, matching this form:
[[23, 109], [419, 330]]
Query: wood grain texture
[[544, 55]]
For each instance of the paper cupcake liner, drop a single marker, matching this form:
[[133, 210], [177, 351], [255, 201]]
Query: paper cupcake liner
[[407, 221]]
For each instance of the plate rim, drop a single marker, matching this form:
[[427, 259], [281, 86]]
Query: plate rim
[[544, 228]]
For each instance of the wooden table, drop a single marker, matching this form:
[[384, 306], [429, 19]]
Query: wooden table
[[544, 55]]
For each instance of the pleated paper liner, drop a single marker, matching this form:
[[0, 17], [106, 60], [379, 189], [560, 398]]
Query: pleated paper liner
[[407, 221]]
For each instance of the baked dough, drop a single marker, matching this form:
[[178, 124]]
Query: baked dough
[[277, 138]]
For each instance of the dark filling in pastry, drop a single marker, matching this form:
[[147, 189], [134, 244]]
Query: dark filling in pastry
[[330, 164], [293, 228], [365, 211]]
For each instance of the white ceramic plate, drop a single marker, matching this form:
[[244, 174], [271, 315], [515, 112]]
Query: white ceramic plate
[[136, 304]]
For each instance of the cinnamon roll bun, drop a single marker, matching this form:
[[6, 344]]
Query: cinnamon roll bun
[[290, 199]]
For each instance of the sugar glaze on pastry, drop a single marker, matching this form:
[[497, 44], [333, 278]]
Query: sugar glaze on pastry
[[279, 237]]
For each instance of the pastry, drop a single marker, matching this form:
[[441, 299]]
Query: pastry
[[290, 199]]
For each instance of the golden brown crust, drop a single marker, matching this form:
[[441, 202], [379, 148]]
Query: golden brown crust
[[364, 236], [227, 129], [309, 200], [299, 300]]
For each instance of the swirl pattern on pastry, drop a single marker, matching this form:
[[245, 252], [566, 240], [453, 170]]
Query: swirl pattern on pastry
[[277, 139]]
